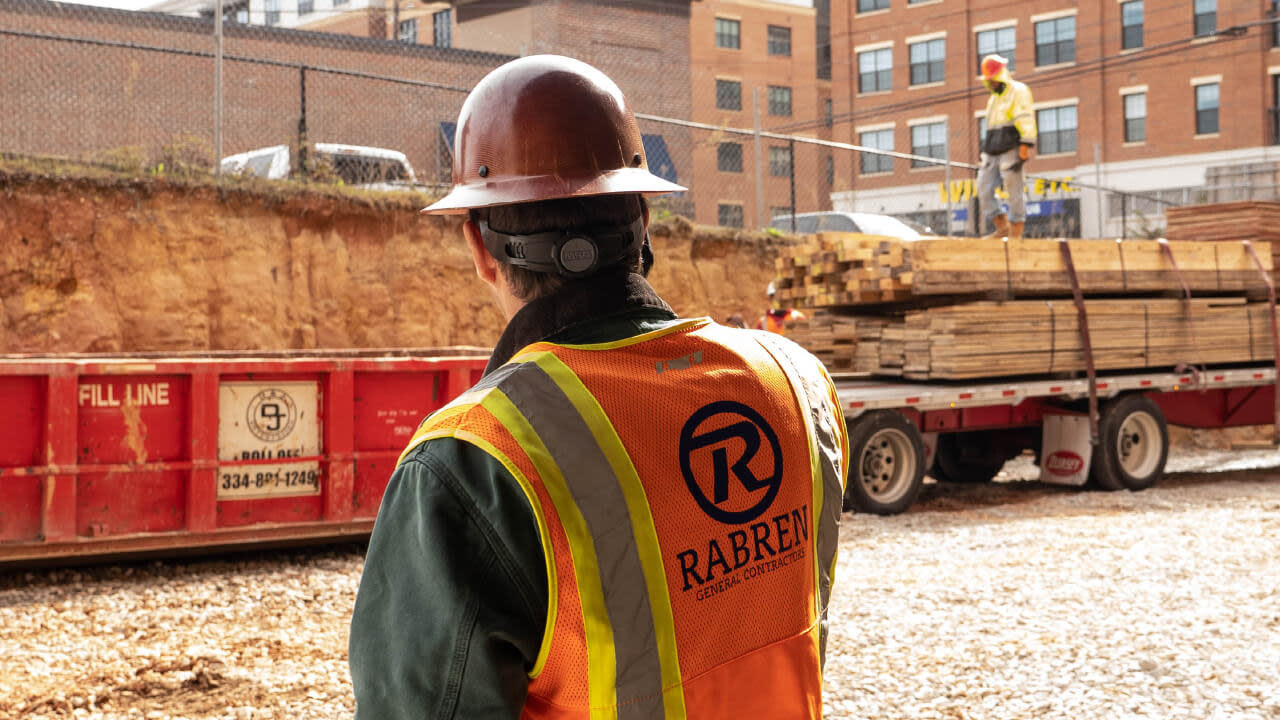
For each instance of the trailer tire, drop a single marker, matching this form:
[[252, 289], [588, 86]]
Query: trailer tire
[[953, 464], [886, 458], [1133, 444]]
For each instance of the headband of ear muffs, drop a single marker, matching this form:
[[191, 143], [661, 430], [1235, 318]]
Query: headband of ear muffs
[[571, 253]]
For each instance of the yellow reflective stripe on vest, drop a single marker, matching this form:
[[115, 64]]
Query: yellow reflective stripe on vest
[[634, 670], [601, 659], [826, 454], [426, 432], [544, 536], [642, 525]]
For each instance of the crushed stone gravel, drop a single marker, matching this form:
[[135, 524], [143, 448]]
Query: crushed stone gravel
[[997, 601]]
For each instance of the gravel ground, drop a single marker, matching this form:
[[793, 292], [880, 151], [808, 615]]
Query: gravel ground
[[1006, 600]]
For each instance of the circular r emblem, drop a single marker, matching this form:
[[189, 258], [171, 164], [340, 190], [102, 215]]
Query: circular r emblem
[[722, 440]]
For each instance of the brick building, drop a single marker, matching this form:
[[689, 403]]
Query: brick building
[[754, 63], [88, 82], [1165, 97]]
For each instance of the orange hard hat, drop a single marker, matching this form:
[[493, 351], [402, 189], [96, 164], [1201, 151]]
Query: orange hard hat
[[545, 127], [992, 65]]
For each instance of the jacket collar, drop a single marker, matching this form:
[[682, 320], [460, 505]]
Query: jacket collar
[[600, 297]]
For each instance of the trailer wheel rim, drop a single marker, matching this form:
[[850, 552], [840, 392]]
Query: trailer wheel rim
[[887, 465], [1138, 446]]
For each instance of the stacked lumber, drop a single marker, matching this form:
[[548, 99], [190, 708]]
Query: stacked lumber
[[1257, 221], [965, 308], [835, 269], [1034, 337], [842, 342]]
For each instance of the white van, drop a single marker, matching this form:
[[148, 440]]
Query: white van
[[369, 168]]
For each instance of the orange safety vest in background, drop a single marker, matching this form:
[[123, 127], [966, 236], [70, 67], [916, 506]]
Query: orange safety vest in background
[[686, 485], [779, 324]]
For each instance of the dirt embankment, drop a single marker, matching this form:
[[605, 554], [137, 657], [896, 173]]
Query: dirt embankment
[[109, 265]]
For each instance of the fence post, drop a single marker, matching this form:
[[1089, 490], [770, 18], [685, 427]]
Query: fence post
[[792, 150], [755, 100], [303, 159], [946, 189], [217, 93], [1097, 170]]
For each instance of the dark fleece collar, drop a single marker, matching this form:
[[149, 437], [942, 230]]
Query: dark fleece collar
[[600, 297]]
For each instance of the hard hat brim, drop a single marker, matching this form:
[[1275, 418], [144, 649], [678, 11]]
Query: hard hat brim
[[510, 191]]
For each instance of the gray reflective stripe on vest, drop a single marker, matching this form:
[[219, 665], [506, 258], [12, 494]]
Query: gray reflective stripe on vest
[[598, 495], [827, 439]]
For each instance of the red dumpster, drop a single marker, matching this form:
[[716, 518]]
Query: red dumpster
[[106, 455]]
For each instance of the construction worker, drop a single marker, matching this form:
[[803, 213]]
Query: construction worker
[[775, 319], [631, 515], [1011, 136]]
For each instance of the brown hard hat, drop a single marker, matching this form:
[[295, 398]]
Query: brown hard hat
[[544, 127]]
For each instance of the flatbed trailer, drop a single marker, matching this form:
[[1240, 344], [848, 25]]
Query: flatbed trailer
[[116, 456], [900, 430]]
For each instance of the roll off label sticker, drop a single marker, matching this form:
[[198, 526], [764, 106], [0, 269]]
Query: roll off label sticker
[[267, 421]]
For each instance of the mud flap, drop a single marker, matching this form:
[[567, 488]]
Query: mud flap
[[930, 448], [1066, 452]]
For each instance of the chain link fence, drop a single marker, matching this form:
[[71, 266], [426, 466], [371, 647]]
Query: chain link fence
[[138, 93]]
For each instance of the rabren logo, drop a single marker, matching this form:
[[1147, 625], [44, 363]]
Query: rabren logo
[[731, 460], [1063, 463]]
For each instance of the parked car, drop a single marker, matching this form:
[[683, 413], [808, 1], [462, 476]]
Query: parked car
[[832, 221], [370, 168]]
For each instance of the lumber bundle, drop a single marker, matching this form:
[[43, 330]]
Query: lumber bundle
[[966, 308], [835, 269], [842, 342], [1034, 337], [1226, 222]]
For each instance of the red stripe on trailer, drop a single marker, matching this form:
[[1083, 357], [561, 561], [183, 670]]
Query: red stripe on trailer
[[966, 396], [1055, 389], [1009, 393], [1102, 386], [1219, 378], [856, 405], [912, 400], [1145, 383]]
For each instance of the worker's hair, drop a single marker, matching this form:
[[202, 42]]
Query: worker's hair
[[561, 214]]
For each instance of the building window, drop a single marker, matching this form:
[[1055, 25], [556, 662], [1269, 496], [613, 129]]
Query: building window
[[1056, 41], [1135, 117], [729, 215], [1206, 17], [442, 28], [831, 170], [729, 157], [306, 7], [828, 115], [727, 34], [1275, 28], [1207, 108], [408, 31], [340, 2], [878, 140], [929, 140], [927, 59], [779, 101], [1131, 24], [1057, 128], [875, 70], [779, 40], [271, 12], [242, 15], [728, 95], [869, 5], [780, 161], [1001, 41]]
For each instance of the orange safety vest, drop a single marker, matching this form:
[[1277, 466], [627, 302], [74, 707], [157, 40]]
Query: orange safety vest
[[779, 325], [686, 485]]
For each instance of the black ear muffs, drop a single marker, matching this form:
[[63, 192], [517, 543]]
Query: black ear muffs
[[571, 253]]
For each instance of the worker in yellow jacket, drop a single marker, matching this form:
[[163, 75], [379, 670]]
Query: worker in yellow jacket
[[1011, 136]]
